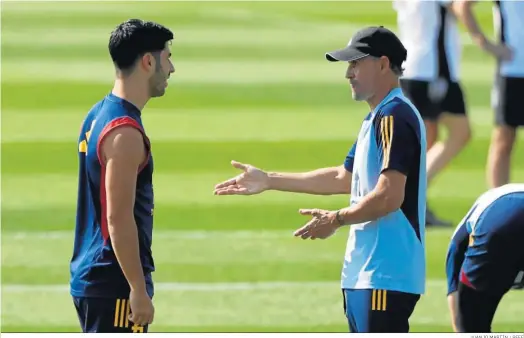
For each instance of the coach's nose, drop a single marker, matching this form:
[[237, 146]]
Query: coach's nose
[[349, 73]]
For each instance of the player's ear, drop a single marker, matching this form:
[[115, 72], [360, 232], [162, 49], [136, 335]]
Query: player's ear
[[147, 62]]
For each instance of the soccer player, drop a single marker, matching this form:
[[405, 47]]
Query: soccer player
[[111, 265], [508, 51], [431, 81], [383, 273], [486, 258]]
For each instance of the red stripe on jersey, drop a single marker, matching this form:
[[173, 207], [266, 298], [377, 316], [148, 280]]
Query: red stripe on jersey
[[116, 123], [103, 204], [465, 280]]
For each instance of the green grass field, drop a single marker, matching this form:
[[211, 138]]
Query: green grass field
[[251, 84]]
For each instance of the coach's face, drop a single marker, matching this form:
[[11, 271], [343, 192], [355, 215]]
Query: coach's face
[[160, 73], [363, 74]]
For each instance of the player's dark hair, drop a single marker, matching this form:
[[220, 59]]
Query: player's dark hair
[[133, 38]]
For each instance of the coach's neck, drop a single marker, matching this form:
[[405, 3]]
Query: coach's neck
[[132, 90], [383, 89]]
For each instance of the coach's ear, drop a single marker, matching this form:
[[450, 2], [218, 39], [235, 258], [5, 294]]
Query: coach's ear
[[384, 64]]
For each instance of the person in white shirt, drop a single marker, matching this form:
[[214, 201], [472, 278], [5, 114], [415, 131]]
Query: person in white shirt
[[508, 90], [431, 81]]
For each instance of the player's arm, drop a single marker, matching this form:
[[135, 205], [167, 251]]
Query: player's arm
[[123, 151], [400, 147], [463, 10], [325, 181], [454, 260]]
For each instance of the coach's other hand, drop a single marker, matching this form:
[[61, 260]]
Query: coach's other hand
[[323, 225], [142, 310], [251, 181]]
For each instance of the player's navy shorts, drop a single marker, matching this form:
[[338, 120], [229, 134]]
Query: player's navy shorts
[[105, 315], [369, 310], [493, 262]]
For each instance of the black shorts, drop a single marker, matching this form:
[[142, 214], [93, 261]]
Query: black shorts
[[105, 315], [434, 98], [476, 309], [379, 311], [507, 95]]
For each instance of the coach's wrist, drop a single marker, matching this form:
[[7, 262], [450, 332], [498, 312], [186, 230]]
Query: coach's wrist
[[339, 218]]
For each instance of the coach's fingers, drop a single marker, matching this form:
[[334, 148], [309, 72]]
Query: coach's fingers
[[239, 165], [232, 190], [311, 212], [306, 231], [307, 234], [301, 231], [227, 183]]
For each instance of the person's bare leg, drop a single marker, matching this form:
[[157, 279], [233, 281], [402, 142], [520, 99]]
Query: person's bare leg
[[499, 155], [431, 132], [442, 152]]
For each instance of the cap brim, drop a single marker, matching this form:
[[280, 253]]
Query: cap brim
[[347, 54]]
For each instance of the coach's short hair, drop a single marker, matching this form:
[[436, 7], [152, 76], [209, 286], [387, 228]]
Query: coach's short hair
[[133, 38]]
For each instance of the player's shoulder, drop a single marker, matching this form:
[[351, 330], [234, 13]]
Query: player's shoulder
[[111, 104], [489, 197], [94, 110], [112, 111]]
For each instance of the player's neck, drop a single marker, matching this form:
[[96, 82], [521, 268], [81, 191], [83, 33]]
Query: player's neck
[[381, 93], [128, 90]]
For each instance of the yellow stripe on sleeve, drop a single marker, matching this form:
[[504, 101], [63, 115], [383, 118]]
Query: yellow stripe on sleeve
[[382, 133], [386, 129]]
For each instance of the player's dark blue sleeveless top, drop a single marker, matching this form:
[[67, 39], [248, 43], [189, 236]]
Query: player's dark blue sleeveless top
[[95, 271]]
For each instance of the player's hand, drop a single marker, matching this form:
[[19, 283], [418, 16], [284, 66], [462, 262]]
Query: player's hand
[[251, 181], [500, 51], [142, 310], [323, 224]]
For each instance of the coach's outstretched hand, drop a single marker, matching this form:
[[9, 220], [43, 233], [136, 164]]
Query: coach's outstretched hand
[[141, 306], [251, 181]]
